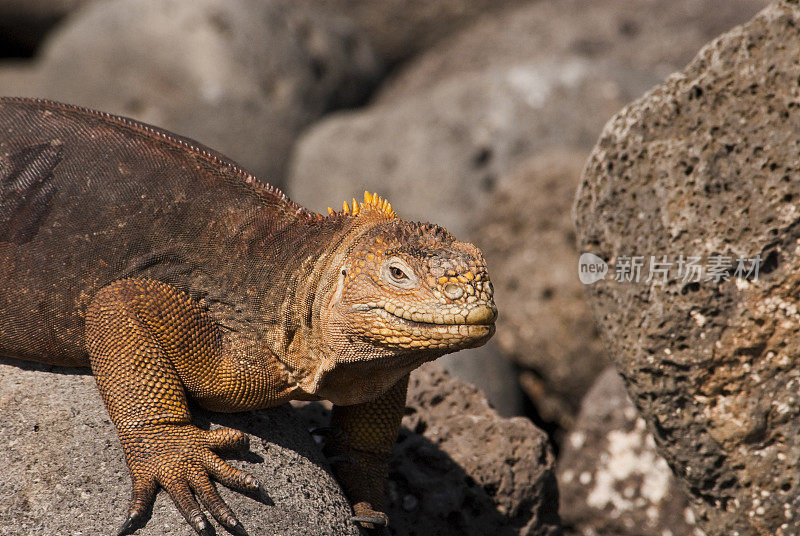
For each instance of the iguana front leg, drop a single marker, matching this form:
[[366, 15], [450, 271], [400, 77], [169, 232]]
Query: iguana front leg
[[369, 432], [149, 343]]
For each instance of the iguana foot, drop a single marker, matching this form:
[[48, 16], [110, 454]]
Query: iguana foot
[[368, 517], [362, 475], [181, 459]]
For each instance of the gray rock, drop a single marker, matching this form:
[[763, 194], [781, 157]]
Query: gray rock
[[344, 64], [400, 29], [439, 155], [655, 36], [40, 9], [241, 77], [495, 374], [64, 472], [545, 324], [18, 78], [612, 482], [706, 165], [460, 468], [473, 472]]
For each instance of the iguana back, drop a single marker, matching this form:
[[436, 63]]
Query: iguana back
[[87, 198]]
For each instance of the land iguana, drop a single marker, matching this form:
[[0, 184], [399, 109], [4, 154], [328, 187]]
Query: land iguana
[[175, 274]]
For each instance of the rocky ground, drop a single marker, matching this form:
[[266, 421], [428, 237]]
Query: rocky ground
[[478, 115], [457, 465]]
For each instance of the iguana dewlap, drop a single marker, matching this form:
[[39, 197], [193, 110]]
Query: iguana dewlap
[[173, 273]]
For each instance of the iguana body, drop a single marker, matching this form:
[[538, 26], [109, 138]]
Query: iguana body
[[173, 274]]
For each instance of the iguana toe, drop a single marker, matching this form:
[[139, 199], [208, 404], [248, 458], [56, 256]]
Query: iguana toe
[[186, 504], [234, 478], [142, 496], [129, 525], [205, 491], [235, 527], [367, 516]]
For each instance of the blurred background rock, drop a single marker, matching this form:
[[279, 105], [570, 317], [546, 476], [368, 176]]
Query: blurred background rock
[[244, 77], [475, 114]]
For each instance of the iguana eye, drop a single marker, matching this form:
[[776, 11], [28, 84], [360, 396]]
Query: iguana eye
[[397, 274]]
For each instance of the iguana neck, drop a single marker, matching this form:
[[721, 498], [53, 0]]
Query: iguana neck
[[287, 269], [305, 351]]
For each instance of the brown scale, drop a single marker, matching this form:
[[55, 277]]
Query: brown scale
[[175, 274]]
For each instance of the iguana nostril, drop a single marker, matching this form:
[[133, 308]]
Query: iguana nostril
[[482, 315], [453, 291]]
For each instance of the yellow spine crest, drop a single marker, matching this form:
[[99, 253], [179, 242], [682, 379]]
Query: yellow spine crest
[[373, 205]]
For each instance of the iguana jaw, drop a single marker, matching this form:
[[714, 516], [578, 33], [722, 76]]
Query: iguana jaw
[[478, 315], [448, 332]]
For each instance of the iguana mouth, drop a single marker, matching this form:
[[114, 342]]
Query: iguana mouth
[[400, 331], [480, 315]]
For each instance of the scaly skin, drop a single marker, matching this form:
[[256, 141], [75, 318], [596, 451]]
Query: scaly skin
[[175, 274]]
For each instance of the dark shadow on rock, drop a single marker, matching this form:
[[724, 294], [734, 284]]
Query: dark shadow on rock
[[32, 365], [430, 493]]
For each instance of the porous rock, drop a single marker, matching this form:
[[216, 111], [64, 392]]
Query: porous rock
[[611, 480], [655, 36], [460, 468], [64, 471], [706, 165], [473, 471], [238, 76], [545, 324]]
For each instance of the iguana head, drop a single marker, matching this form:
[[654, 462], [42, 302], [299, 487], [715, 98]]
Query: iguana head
[[404, 292]]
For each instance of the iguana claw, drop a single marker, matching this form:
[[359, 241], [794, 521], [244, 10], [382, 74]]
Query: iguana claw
[[261, 491], [378, 521], [369, 517], [129, 523], [237, 529]]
